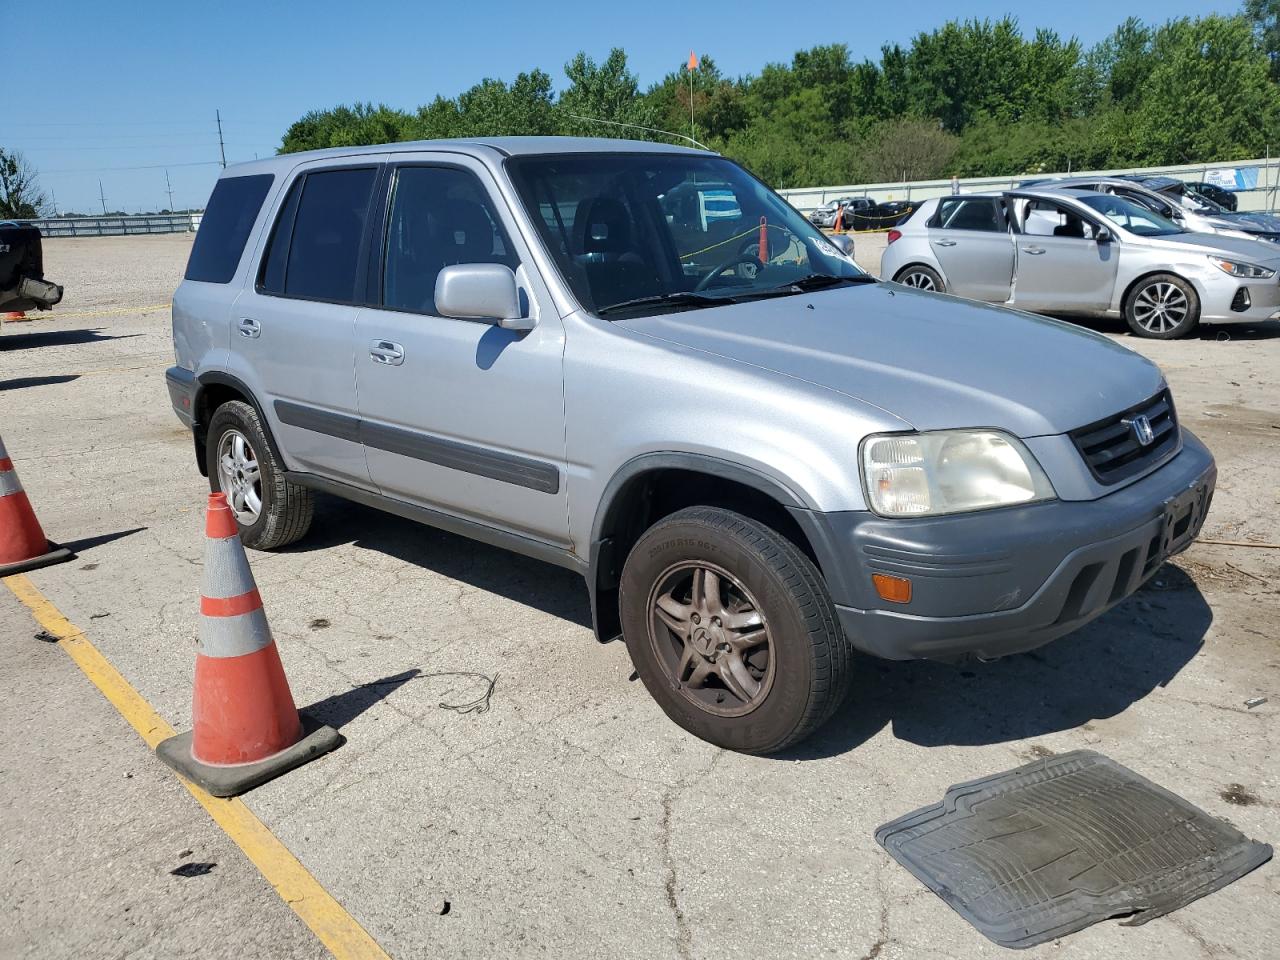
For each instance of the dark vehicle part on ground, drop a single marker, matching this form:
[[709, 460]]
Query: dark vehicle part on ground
[[22, 283]]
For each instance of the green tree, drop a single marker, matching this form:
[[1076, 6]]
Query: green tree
[[1208, 95], [20, 195], [718, 102], [344, 126], [1264, 15], [606, 91], [906, 150]]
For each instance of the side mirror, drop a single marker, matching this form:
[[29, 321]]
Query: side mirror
[[844, 243], [481, 291], [1103, 235]]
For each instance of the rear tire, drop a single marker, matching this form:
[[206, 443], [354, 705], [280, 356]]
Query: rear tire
[[750, 657], [238, 452], [921, 277], [1162, 307]]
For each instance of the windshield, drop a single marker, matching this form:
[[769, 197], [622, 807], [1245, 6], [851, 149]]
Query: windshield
[[1130, 216], [672, 231]]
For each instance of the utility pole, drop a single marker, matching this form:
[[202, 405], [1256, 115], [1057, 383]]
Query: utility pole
[[221, 147], [53, 198], [102, 197], [168, 187]]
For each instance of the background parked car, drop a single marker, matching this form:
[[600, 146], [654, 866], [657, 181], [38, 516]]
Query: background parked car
[[1194, 205], [1220, 195], [1084, 253], [1167, 197], [893, 212], [825, 215]]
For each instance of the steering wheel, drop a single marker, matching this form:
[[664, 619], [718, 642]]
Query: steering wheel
[[738, 258]]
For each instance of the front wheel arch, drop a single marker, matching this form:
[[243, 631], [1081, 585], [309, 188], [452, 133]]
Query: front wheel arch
[[939, 279], [1131, 290]]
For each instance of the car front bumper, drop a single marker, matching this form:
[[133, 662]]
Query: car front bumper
[[1220, 301], [1005, 581]]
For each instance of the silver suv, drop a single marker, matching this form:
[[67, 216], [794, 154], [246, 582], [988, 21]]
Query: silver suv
[[638, 362]]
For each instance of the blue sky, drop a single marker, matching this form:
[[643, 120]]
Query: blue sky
[[136, 84]]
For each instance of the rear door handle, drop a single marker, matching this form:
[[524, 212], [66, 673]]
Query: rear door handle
[[1034, 251], [249, 327], [386, 351], [946, 243]]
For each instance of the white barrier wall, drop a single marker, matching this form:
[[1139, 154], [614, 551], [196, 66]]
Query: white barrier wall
[[1259, 179]]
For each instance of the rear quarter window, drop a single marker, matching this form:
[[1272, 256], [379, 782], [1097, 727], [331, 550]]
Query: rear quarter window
[[225, 226]]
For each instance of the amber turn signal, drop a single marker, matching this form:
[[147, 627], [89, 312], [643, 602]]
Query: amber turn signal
[[893, 589]]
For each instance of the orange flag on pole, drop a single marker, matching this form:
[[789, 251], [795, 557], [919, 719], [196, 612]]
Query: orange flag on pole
[[693, 61]]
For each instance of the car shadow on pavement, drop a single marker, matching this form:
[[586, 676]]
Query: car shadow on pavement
[[543, 586], [21, 383], [57, 338], [1094, 673], [1257, 330]]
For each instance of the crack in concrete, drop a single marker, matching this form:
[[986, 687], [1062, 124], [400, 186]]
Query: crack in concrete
[[684, 936]]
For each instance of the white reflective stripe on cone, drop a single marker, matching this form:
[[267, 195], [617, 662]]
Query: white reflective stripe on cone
[[4, 454], [226, 569], [233, 636], [9, 482]]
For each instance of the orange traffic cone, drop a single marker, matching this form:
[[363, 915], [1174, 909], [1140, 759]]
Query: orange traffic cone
[[13, 316], [22, 543], [246, 728]]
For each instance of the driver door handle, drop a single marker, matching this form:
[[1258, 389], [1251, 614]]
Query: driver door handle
[[386, 351], [946, 243], [1034, 251]]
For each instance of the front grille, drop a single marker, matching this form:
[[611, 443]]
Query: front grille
[[1111, 447]]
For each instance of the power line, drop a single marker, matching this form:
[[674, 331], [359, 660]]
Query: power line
[[145, 166]]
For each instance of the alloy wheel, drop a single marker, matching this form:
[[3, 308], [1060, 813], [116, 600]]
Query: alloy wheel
[[240, 477], [918, 279], [712, 638], [1159, 307]]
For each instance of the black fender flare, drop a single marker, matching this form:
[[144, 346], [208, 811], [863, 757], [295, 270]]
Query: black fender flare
[[222, 378], [605, 564]]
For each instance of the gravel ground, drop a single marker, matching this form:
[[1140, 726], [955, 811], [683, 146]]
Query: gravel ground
[[572, 819]]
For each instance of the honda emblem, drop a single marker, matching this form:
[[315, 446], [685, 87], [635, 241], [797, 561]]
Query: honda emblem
[[1142, 431]]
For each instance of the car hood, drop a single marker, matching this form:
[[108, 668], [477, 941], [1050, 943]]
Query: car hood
[[1247, 248], [932, 360], [1257, 221]]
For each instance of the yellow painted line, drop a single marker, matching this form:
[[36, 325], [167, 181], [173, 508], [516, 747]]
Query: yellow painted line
[[109, 312], [335, 928]]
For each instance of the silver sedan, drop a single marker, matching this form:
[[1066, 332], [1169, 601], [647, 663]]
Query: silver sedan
[[1080, 253]]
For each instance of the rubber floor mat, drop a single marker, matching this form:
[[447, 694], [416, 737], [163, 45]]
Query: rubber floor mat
[[1049, 848]]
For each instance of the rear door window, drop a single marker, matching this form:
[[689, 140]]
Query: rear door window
[[327, 237], [973, 214], [225, 226]]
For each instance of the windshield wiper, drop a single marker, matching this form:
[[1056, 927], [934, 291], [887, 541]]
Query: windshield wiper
[[805, 284], [676, 298]]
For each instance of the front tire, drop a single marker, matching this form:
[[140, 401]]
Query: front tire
[[921, 278], [1162, 307], [270, 511], [732, 631]]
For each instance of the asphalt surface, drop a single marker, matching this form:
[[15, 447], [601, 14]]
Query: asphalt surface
[[570, 819], [104, 853]]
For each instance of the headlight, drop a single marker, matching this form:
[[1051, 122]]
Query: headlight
[[949, 471], [1245, 271]]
